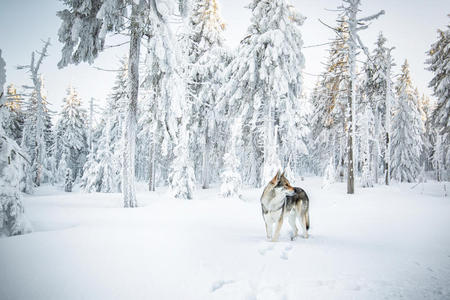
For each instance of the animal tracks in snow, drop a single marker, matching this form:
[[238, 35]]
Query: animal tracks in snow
[[219, 284], [283, 253]]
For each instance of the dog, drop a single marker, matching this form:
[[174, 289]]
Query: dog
[[280, 198]]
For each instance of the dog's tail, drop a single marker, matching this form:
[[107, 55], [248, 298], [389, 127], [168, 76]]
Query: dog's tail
[[307, 221]]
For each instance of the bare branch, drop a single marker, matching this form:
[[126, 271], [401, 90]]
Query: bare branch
[[117, 45], [317, 45], [372, 17], [108, 70]]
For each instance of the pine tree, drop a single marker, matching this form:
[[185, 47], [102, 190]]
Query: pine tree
[[407, 135], [14, 123], [72, 133], [155, 108], [350, 10], [202, 46], [12, 217], [264, 81], [438, 61], [231, 178], [182, 181], [329, 106], [377, 89]]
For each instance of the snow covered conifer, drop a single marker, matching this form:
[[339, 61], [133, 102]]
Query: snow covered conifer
[[439, 61], [201, 44], [329, 106], [12, 218], [350, 10], [182, 181], [72, 133], [155, 108], [83, 31], [266, 76], [15, 121], [407, 134], [231, 178]]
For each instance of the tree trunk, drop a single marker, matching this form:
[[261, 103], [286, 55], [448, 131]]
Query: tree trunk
[[350, 178], [205, 162], [130, 124], [151, 181], [388, 122]]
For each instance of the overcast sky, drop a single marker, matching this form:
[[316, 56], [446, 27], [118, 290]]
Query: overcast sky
[[410, 26]]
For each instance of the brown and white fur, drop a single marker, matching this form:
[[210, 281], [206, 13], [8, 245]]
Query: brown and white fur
[[280, 198]]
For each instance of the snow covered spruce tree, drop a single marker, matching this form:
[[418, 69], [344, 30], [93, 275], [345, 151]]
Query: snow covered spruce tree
[[37, 136], [154, 140], [202, 50], [263, 85], [231, 177], [350, 10], [72, 133], [407, 133], [83, 32], [329, 100], [377, 89], [439, 61], [14, 123], [102, 170], [12, 218]]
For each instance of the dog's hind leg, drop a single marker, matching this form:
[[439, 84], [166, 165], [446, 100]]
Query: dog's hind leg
[[303, 220], [292, 218], [279, 224]]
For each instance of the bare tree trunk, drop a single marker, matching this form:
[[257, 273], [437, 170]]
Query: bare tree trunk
[[388, 121], [130, 124], [151, 181], [91, 119], [205, 162], [350, 174]]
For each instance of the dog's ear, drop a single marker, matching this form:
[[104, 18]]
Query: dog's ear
[[282, 174], [276, 178], [279, 175]]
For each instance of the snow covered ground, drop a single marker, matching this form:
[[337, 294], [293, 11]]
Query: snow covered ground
[[386, 242]]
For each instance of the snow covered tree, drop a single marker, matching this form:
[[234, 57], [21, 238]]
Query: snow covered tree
[[37, 136], [407, 135], [231, 178], [204, 56], [155, 108], [102, 170], [12, 218], [377, 88], [182, 181], [72, 133], [329, 100], [366, 127], [83, 33], [350, 10], [264, 81], [16, 117], [439, 61]]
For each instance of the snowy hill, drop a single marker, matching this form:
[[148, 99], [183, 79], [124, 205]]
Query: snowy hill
[[385, 242]]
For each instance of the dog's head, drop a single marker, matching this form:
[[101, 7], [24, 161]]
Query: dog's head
[[282, 185]]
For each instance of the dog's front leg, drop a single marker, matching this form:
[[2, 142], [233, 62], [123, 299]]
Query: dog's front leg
[[269, 224], [277, 216]]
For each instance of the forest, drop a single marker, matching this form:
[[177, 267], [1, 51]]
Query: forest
[[189, 118]]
